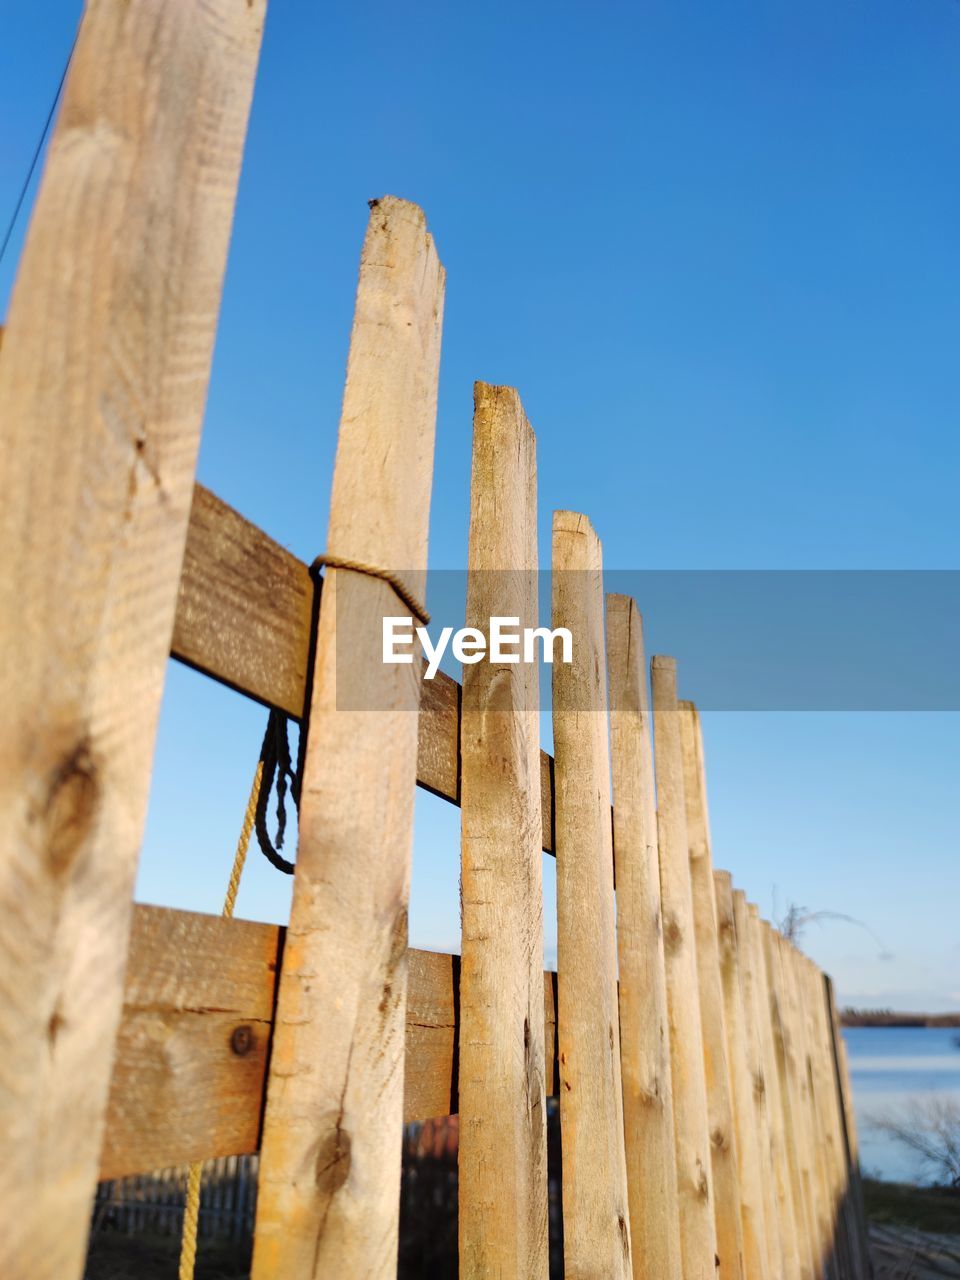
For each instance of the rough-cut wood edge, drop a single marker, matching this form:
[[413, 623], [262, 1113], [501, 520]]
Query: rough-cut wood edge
[[194, 1036], [854, 1180], [186, 1088], [795, 1146], [821, 1069], [644, 1031], [780, 1263], [329, 1184], [245, 614], [808, 1128], [105, 368], [244, 608], [502, 1154], [746, 1110], [792, 1240], [698, 1234], [723, 1139], [596, 1238]]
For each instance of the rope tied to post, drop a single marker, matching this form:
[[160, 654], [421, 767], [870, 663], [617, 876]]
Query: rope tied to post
[[393, 580], [278, 770], [275, 772]]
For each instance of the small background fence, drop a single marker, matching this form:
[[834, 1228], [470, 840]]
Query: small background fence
[[153, 1203]]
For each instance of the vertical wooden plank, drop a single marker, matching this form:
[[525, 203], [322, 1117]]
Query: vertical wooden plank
[[596, 1232], [746, 1110], [105, 365], [825, 1140], [814, 1007], [644, 1031], [330, 1161], [795, 1259], [723, 1143], [793, 1118], [809, 1123], [698, 1236], [502, 1150], [854, 1184], [781, 1255]]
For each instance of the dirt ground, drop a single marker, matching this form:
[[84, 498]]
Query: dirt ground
[[914, 1231], [145, 1257], [904, 1253], [899, 1253]]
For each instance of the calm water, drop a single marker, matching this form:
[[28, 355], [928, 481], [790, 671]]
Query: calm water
[[890, 1066]]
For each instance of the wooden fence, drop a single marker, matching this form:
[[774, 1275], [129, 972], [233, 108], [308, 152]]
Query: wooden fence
[[705, 1108], [153, 1203]]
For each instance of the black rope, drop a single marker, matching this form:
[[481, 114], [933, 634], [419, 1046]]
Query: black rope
[[278, 773], [36, 155]]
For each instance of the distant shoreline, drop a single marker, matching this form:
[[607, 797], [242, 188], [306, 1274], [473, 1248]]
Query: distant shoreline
[[886, 1018]]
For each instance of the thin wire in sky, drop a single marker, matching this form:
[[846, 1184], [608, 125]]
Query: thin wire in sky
[[37, 152]]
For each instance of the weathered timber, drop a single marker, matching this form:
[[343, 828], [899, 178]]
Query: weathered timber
[[807, 1130], [329, 1189], [106, 360], [596, 1237], [854, 1181], [746, 1111], [757, 1033], [644, 1032], [503, 1142], [698, 1235], [793, 1240], [723, 1138], [796, 1148], [186, 1086]]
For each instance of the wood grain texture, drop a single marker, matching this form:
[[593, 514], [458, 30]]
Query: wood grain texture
[[779, 1263], [644, 1032], [329, 1190], [828, 1134], [244, 607], [180, 1091], [746, 1112], [796, 1264], [849, 1131], [503, 1139], [596, 1238], [781, 1252], [795, 1139], [106, 359], [825, 1097], [807, 1130], [723, 1138], [244, 613], [698, 1236]]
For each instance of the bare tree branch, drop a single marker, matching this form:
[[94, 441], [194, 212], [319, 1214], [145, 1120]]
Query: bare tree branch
[[796, 919], [930, 1128]]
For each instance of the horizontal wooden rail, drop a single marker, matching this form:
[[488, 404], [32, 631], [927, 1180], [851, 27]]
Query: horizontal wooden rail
[[195, 1033], [245, 617]]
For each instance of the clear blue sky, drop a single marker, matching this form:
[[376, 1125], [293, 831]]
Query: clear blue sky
[[716, 248]]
